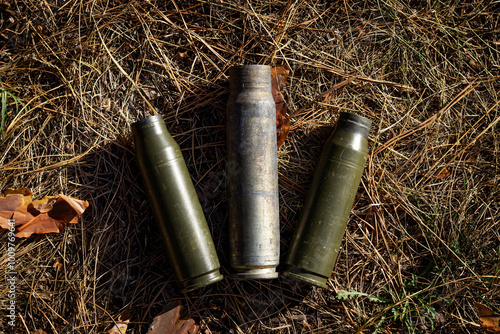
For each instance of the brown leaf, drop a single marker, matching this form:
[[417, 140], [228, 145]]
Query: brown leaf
[[42, 223], [78, 205], [278, 78], [11, 202], [283, 131], [48, 215], [443, 174], [58, 266], [22, 191], [44, 205], [9, 209], [68, 209], [489, 318], [169, 323], [121, 325]]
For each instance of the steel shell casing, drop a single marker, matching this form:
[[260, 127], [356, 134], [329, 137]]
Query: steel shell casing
[[320, 230], [175, 205], [252, 173]]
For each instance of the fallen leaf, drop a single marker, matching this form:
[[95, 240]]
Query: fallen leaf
[[121, 325], [42, 223], [489, 318], [78, 205], [169, 323], [58, 266], [7, 207], [15, 206], [279, 74], [10, 203], [443, 174], [44, 205], [22, 191], [182, 54], [49, 215], [283, 131]]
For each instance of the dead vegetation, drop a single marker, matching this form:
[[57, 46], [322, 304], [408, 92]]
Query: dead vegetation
[[423, 242]]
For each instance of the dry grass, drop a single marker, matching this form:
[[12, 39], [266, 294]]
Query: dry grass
[[423, 241]]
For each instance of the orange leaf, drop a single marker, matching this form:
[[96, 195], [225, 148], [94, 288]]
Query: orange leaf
[[283, 131], [15, 206], [58, 266], [22, 191], [42, 223], [11, 202], [489, 318], [278, 78], [121, 325], [48, 215], [78, 205], [442, 175], [68, 209], [169, 323], [7, 207], [182, 54], [44, 205]]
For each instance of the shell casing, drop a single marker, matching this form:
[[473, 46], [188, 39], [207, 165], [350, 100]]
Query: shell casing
[[252, 174], [175, 205], [320, 230]]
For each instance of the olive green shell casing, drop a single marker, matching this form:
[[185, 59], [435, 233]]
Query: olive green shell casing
[[175, 204], [319, 233], [252, 173]]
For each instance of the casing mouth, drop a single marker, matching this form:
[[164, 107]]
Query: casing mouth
[[250, 76], [354, 123], [147, 120]]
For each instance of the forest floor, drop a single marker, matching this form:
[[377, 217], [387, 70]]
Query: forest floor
[[422, 245]]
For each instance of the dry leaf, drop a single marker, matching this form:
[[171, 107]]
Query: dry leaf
[[42, 223], [489, 318], [49, 215], [15, 206], [278, 78], [58, 266], [7, 207], [44, 205], [443, 174], [283, 131], [169, 323], [121, 325], [78, 205]]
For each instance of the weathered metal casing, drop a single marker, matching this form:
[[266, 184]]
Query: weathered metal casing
[[252, 173], [317, 238], [175, 204]]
